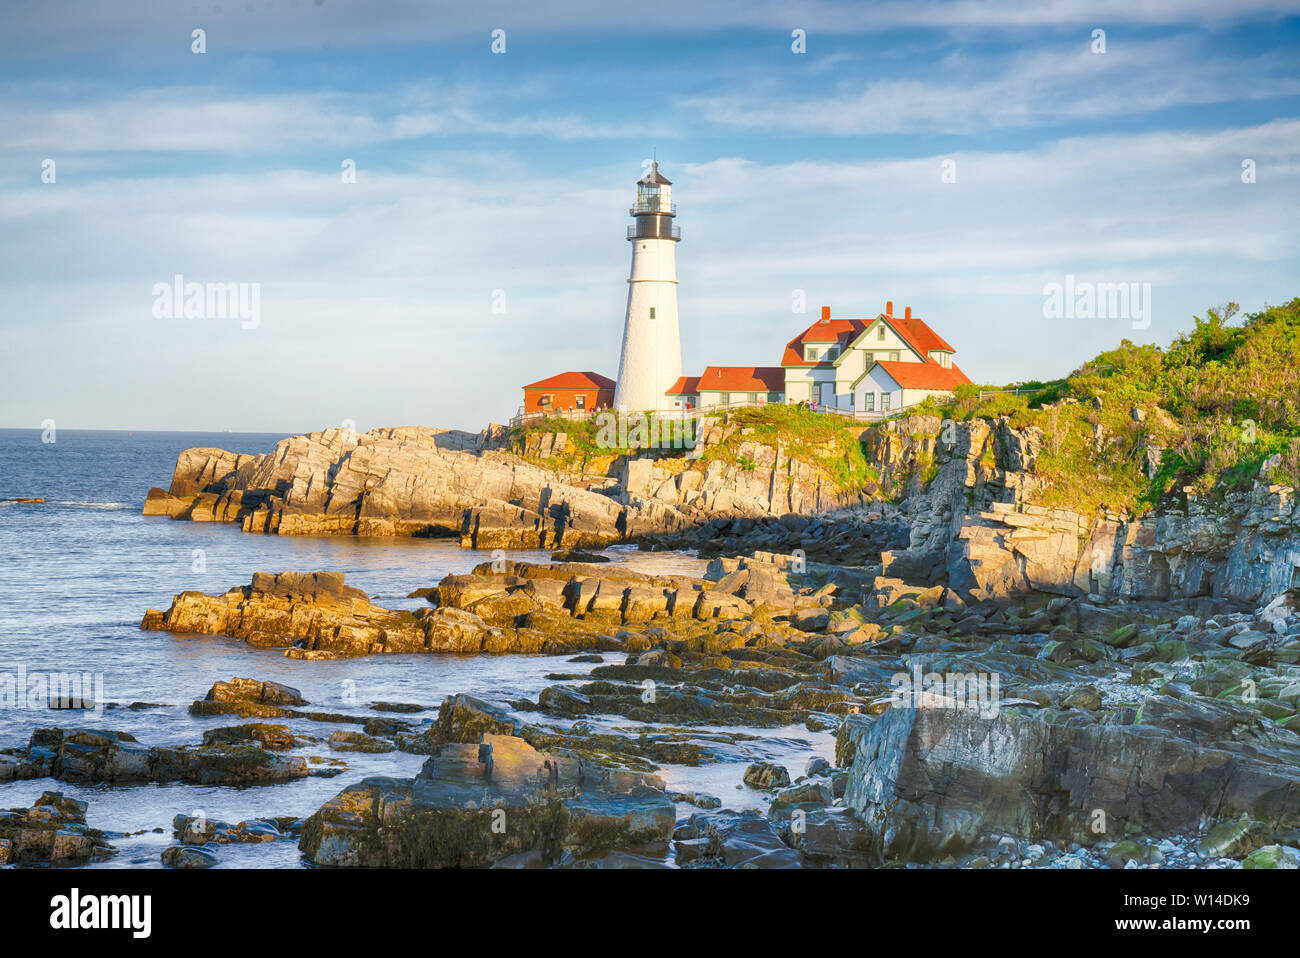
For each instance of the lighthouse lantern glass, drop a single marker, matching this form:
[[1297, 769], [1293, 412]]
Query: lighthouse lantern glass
[[647, 197]]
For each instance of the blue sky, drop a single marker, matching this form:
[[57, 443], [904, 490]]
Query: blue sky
[[489, 178]]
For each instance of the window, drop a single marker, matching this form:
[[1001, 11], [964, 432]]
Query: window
[[868, 358], [880, 331], [810, 354], [893, 357], [832, 352], [884, 401], [652, 312], [724, 398], [871, 401], [579, 402], [853, 400], [544, 401], [752, 398]]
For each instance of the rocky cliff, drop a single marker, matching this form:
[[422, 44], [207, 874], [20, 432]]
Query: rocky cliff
[[968, 492], [956, 503], [414, 481]]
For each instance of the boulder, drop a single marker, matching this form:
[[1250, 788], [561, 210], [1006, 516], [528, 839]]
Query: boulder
[[766, 776], [188, 857], [931, 782], [476, 804], [52, 832]]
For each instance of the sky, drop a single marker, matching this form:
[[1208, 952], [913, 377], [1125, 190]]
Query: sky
[[957, 157]]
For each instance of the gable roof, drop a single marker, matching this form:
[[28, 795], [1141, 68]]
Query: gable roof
[[574, 380], [742, 379], [842, 331], [926, 375], [916, 333], [912, 330], [686, 386]]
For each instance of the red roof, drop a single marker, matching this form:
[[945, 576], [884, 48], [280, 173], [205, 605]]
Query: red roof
[[918, 335], [743, 378], [926, 375], [911, 329], [686, 386], [842, 331], [573, 380]]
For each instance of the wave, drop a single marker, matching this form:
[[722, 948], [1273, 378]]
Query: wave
[[78, 504]]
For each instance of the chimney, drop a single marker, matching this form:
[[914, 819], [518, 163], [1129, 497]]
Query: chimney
[[908, 313], [826, 313], [889, 308]]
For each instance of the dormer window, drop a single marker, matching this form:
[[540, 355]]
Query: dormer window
[[810, 354]]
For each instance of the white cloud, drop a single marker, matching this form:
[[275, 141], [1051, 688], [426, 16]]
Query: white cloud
[[376, 297], [1035, 86], [153, 29], [198, 119]]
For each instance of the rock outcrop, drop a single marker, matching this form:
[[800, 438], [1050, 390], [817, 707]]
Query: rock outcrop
[[1044, 730], [411, 481], [475, 805], [974, 525], [930, 782], [501, 607], [315, 615], [52, 832], [88, 756]]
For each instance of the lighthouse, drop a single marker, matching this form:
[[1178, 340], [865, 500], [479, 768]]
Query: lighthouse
[[652, 352]]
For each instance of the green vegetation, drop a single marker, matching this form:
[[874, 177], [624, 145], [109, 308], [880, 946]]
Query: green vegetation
[[1210, 409], [826, 442], [1219, 401], [591, 439]]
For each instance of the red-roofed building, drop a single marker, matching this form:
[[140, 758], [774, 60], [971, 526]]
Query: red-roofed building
[[869, 365], [731, 386], [571, 390], [686, 391]]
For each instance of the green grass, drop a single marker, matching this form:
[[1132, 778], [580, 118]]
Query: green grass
[[590, 441], [823, 441]]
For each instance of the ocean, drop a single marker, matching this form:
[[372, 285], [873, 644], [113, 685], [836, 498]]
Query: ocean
[[78, 571]]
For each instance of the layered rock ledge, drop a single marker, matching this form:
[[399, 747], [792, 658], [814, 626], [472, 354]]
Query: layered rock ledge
[[502, 607], [490, 802], [87, 756], [412, 481]]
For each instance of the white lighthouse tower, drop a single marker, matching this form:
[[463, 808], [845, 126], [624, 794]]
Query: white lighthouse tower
[[652, 350]]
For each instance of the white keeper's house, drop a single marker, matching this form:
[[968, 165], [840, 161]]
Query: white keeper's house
[[869, 365], [861, 367]]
